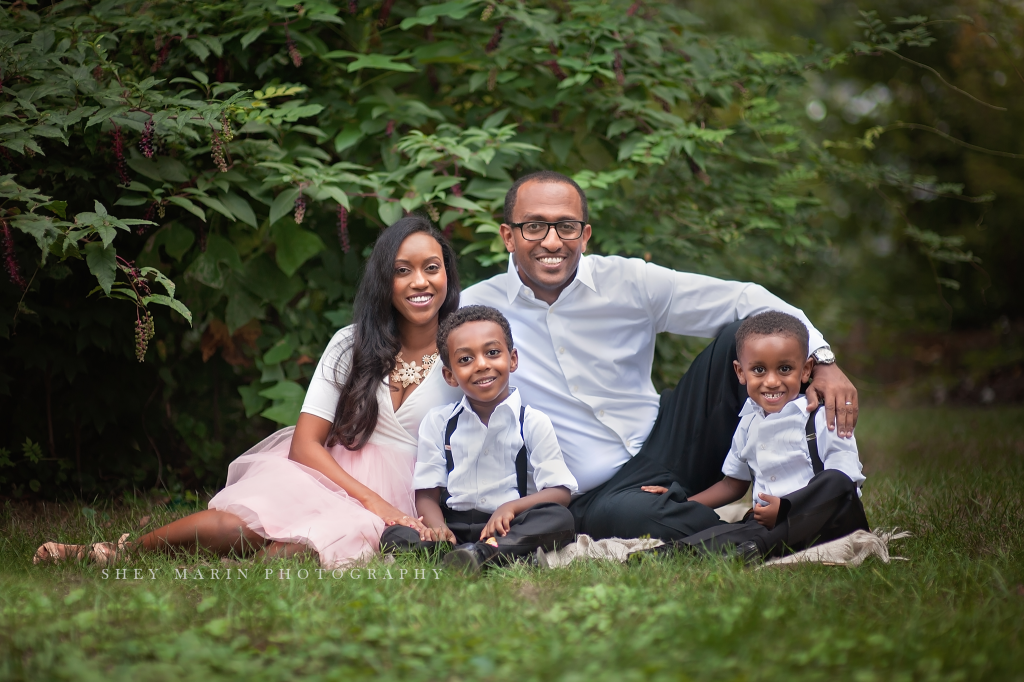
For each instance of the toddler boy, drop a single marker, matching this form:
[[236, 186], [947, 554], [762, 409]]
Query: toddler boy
[[489, 472], [806, 479]]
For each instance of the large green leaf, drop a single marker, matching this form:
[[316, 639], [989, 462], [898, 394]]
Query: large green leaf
[[175, 238], [241, 306], [173, 303], [279, 352], [188, 206], [239, 207], [211, 267], [284, 204], [264, 278], [252, 400], [287, 397], [102, 262], [428, 15], [40, 227], [389, 211], [295, 246]]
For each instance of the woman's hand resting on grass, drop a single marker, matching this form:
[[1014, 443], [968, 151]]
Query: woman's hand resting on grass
[[392, 516]]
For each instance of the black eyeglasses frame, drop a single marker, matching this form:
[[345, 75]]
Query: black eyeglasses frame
[[551, 226]]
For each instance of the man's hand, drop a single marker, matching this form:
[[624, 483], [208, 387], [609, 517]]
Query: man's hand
[[498, 523], [830, 387], [766, 516]]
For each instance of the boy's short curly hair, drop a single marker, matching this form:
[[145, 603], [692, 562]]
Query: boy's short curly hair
[[471, 313], [772, 323]]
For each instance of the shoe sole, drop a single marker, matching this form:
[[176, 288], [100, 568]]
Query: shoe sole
[[462, 561]]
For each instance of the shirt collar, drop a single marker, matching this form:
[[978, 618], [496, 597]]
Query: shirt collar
[[584, 275], [514, 402], [792, 407]]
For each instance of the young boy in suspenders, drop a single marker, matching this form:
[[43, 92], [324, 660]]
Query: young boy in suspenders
[[806, 479], [489, 473]]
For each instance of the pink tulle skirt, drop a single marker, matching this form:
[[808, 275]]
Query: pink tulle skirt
[[285, 501]]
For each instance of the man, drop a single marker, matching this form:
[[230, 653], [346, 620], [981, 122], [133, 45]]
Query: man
[[585, 328]]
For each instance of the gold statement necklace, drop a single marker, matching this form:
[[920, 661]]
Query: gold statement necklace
[[411, 373]]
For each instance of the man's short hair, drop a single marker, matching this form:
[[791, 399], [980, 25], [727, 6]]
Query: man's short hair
[[542, 176], [471, 313], [772, 323]]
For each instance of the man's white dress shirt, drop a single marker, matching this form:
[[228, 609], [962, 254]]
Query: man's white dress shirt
[[773, 449], [585, 360], [484, 477]]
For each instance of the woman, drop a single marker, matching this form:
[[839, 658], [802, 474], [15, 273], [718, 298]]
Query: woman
[[332, 483]]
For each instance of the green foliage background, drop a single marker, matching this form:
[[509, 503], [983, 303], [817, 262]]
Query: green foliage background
[[248, 153]]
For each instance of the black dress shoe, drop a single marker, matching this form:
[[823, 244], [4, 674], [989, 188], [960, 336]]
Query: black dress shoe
[[469, 558], [748, 553]]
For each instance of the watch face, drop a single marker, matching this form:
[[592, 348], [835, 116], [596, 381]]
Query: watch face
[[824, 356]]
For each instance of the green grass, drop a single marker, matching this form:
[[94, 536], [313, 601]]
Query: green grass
[[954, 611]]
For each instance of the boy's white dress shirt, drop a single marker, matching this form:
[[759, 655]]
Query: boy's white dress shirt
[[484, 477], [585, 360], [773, 448]]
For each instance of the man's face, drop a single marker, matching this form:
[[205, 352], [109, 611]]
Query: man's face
[[772, 368], [547, 266]]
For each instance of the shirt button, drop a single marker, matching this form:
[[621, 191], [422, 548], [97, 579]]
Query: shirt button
[[762, 446], [485, 451], [601, 413], [483, 500], [561, 350], [773, 478], [575, 388]]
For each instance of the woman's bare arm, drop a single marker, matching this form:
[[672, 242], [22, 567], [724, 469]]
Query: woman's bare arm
[[308, 449]]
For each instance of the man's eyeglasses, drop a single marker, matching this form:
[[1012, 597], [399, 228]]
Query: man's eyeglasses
[[537, 231]]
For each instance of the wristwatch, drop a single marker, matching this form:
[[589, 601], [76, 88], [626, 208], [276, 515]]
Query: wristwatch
[[824, 356]]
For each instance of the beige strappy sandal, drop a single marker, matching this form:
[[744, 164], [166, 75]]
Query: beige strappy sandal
[[106, 553], [100, 553], [55, 552]]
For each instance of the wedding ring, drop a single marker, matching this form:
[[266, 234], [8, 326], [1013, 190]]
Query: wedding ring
[[848, 402]]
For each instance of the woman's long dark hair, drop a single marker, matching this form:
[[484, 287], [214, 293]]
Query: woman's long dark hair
[[376, 341]]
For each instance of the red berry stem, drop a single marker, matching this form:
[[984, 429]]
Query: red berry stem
[[343, 229], [10, 259]]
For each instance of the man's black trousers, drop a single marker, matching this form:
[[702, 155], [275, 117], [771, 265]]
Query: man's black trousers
[[546, 525], [827, 508], [684, 453]]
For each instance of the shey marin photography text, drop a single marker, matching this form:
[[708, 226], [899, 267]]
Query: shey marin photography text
[[229, 573]]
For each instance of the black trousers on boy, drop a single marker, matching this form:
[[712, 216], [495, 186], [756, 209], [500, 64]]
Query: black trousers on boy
[[684, 453], [545, 525], [827, 508]]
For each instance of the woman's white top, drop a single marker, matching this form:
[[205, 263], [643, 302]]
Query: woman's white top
[[399, 427]]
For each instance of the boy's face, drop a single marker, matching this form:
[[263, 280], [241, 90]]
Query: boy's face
[[772, 368], [481, 361]]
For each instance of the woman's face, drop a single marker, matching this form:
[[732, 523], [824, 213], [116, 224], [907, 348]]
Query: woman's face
[[420, 284]]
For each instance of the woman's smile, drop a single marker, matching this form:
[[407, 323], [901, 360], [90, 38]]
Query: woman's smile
[[420, 299]]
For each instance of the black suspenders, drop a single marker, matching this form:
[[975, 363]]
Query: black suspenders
[[520, 457], [812, 443]]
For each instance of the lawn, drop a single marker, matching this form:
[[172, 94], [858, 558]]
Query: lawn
[[954, 611]]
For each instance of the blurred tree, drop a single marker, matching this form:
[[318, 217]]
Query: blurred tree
[[233, 162], [963, 95]]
